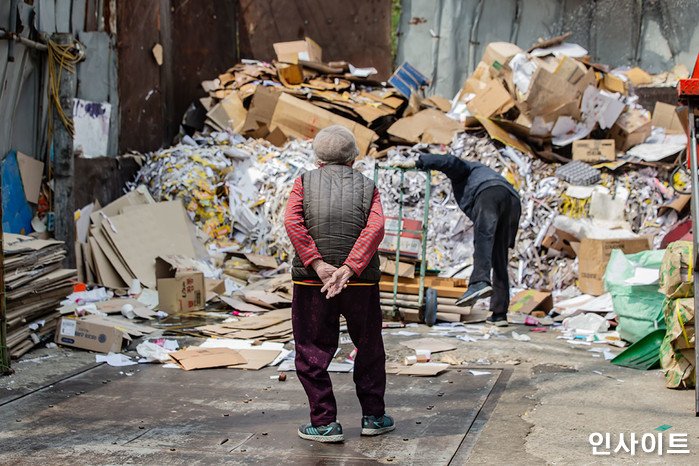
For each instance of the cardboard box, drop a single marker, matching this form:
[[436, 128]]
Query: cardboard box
[[594, 150], [407, 79], [476, 82], [301, 119], [638, 77], [430, 126], [631, 128], [88, 335], [593, 257], [500, 52], [561, 241], [491, 101], [571, 70], [292, 52], [181, 286], [665, 116], [528, 301], [612, 83], [388, 266], [410, 243], [547, 92]]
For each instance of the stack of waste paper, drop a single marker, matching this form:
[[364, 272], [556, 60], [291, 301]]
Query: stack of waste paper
[[677, 349], [35, 283]]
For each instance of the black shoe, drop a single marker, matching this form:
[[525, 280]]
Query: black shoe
[[499, 320], [330, 433], [475, 292]]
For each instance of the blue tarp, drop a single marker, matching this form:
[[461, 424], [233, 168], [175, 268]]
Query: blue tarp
[[16, 213]]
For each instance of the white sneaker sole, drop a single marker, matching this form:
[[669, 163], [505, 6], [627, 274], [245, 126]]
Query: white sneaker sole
[[499, 323], [471, 300], [380, 431], [322, 438]]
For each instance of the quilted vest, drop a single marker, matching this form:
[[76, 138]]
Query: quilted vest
[[336, 204]]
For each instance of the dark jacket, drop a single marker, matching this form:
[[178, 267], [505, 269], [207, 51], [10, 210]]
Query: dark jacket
[[337, 201], [468, 179]]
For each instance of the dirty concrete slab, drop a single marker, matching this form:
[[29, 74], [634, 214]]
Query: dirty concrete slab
[[150, 414]]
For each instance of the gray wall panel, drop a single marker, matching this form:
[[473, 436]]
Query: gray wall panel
[[655, 35], [63, 13]]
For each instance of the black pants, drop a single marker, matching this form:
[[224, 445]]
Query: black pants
[[495, 219]]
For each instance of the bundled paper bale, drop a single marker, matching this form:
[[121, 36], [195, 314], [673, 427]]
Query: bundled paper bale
[[35, 284], [677, 349]]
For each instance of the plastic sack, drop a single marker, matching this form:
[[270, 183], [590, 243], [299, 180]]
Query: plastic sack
[[153, 352], [636, 299], [586, 323]]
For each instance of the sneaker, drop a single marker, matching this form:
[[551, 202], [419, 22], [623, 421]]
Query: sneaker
[[372, 425], [475, 292], [330, 433], [497, 320]]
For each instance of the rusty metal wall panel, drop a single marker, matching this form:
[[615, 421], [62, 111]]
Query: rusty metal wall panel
[[139, 76], [358, 32], [198, 40], [203, 46]]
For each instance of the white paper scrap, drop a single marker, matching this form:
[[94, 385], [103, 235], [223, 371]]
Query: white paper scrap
[[115, 359]]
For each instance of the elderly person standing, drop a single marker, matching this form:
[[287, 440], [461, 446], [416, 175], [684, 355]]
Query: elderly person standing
[[335, 222]]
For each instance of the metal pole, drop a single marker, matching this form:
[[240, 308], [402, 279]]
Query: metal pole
[[26, 42], [400, 231], [695, 236], [423, 259], [63, 164], [4, 350]]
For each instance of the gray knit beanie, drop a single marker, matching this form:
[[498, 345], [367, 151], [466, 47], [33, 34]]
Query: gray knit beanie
[[335, 145]]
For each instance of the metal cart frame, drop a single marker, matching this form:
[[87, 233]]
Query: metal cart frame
[[427, 298]]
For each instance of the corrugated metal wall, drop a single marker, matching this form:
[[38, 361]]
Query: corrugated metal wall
[[445, 39], [23, 70]]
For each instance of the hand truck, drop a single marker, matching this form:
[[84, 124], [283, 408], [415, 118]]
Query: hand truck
[[427, 297]]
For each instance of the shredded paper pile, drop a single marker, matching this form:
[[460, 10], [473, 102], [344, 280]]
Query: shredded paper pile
[[235, 190]]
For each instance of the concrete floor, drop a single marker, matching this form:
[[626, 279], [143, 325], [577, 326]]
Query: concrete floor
[[539, 405]]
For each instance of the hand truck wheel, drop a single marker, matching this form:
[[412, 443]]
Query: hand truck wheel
[[430, 306]]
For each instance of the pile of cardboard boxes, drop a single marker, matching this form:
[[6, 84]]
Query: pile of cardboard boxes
[[299, 94], [540, 102]]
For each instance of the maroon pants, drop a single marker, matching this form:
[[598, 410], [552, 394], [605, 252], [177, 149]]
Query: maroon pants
[[316, 323]]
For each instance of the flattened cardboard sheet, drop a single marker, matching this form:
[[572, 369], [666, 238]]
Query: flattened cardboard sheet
[[202, 358], [146, 232]]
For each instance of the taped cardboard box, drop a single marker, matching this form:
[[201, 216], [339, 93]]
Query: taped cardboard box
[[593, 257], [181, 286], [292, 52], [88, 335], [594, 150]]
